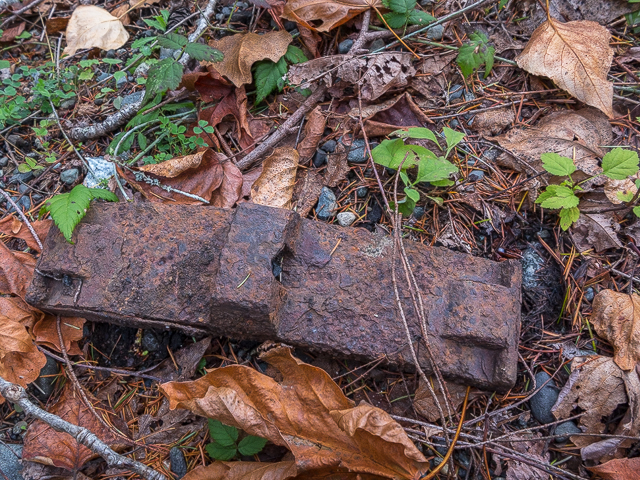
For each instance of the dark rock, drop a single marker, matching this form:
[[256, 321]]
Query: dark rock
[[46, 380], [21, 177], [329, 146], [178, 462], [69, 177], [418, 213], [68, 104], [456, 92], [18, 141], [358, 151], [99, 101], [4, 161], [543, 401], [362, 192], [19, 429], [37, 198], [167, 53], [345, 46], [288, 26], [102, 77], [121, 82], [532, 263], [375, 212], [327, 205], [10, 455], [377, 44], [566, 429], [589, 294], [22, 188], [150, 342], [24, 203], [476, 175], [469, 96], [243, 16], [132, 98], [320, 158], [110, 54], [226, 11], [435, 33]]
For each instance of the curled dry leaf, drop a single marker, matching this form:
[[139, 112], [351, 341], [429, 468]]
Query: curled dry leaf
[[323, 15], [337, 166], [618, 469], [313, 132], [13, 227], [616, 318], [57, 24], [576, 56], [595, 231], [242, 50], [535, 450], [307, 191], [395, 114], [274, 186], [305, 412], [16, 270], [91, 27], [45, 445], [425, 406], [10, 34], [231, 187], [199, 174]]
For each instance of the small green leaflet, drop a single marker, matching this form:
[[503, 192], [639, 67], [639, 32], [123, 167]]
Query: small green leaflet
[[268, 77], [222, 434], [396, 20], [568, 216], [221, 452], [400, 6], [418, 17], [619, 163], [476, 53], [224, 445], [295, 55], [164, 75], [5, 64], [140, 42], [453, 138], [417, 133], [403, 12], [67, 209], [392, 153], [558, 196], [173, 41], [412, 194], [201, 52], [636, 210], [557, 165], [251, 445], [435, 169]]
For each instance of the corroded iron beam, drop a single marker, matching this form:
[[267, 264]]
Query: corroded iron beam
[[263, 273]]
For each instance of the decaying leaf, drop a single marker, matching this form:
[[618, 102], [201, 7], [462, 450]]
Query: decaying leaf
[[617, 191], [576, 56], [323, 15], [597, 231], [91, 27], [16, 270], [10, 34], [12, 227], [535, 450], [274, 186], [425, 406], [313, 132], [616, 318], [337, 166], [46, 333], [199, 174], [307, 191], [235, 105], [618, 469], [492, 122], [231, 187], [305, 412], [45, 445], [242, 50], [397, 113]]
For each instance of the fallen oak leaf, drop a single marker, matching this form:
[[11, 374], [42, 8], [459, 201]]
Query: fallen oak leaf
[[231, 187], [313, 132], [91, 26], [618, 469], [576, 56], [274, 187], [328, 13], [45, 332]]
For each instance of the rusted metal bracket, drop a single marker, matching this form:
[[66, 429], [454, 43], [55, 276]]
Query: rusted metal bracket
[[264, 273]]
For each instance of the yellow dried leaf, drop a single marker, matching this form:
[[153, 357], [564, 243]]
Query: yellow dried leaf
[[241, 51], [91, 27], [274, 186], [576, 56]]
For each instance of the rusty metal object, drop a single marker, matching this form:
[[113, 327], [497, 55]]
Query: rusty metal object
[[266, 274]]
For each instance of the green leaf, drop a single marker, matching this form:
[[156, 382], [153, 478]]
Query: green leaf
[[400, 6], [636, 210], [434, 169], [619, 163], [142, 41], [5, 63], [412, 194], [568, 216], [416, 132], [119, 74], [453, 138], [142, 141], [391, 153], [173, 41], [85, 75], [395, 20], [24, 168], [557, 165], [221, 452], [558, 196], [223, 434], [475, 53], [295, 55], [268, 77], [625, 197], [67, 209], [200, 52], [164, 75], [251, 445], [111, 61], [418, 17]]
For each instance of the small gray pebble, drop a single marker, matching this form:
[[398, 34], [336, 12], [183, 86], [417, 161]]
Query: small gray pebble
[[99, 101], [167, 52], [454, 123], [377, 44], [220, 17], [24, 203], [418, 213], [543, 401], [132, 98], [20, 428], [471, 162], [358, 151], [566, 429], [68, 177], [10, 455], [37, 198], [242, 16], [102, 168], [21, 177], [18, 141], [121, 82], [46, 380], [362, 192], [68, 103], [4, 161], [150, 342], [121, 52], [327, 205], [345, 219], [226, 11], [329, 146], [426, 3], [456, 92], [435, 33], [110, 54], [178, 462], [103, 76], [491, 154], [589, 293], [345, 46], [469, 96], [320, 158], [476, 175], [142, 70], [22, 188]]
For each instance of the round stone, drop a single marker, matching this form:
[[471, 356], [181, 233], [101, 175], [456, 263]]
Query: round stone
[[346, 219]]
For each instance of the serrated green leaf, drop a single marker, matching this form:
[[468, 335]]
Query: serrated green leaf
[[223, 434], [164, 75], [251, 445], [396, 20], [401, 6], [558, 196], [452, 137], [67, 209], [200, 52], [173, 41], [142, 41], [489, 57], [268, 77], [619, 163], [418, 17], [86, 75], [24, 168], [221, 452], [475, 53], [111, 61], [295, 55], [434, 169], [557, 165], [568, 216]]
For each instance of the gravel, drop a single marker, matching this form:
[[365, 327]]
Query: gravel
[[435, 33], [326, 204], [476, 175], [10, 466], [543, 401], [69, 177], [4, 161], [346, 219], [362, 192]]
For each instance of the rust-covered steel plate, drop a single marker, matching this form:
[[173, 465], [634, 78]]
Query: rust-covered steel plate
[[264, 273]]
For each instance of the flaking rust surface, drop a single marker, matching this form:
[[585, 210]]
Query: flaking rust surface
[[203, 269]]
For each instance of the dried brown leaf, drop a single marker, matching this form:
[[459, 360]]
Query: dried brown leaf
[[306, 412], [576, 56], [399, 113], [618, 469], [174, 167], [200, 175], [91, 27], [616, 318], [231, 188], [307, 191], [56, 24], [242, 50], [12, 227], [142, 3], [597, 231], [46, 333], [234, 104], [274, 186], [613, 188], [45, 445], [210, 85], [492, 122], [16, 310], [313, 132], [535, 450], [323, 15], [425, 406], [337, 166], [122, 14], [10, 34], [16, 270]]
